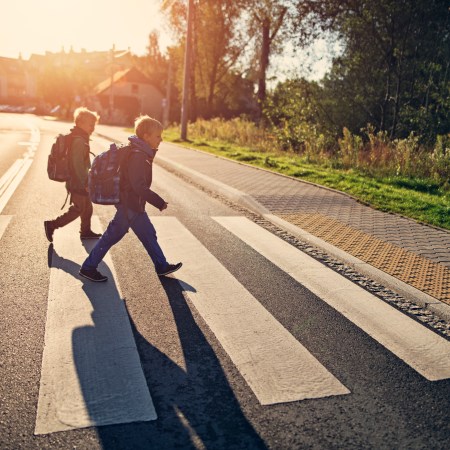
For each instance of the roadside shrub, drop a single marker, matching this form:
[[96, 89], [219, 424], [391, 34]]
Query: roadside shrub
[[371, 152], [441, 160], [350, 147], [237, 131]]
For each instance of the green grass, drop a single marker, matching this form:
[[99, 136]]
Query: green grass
[[422, 200]]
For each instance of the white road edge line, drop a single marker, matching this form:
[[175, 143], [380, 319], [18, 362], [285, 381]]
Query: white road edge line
[[9, 175], [275, 365], [420, 348], [14, 175], [91, 372], [4, 222]]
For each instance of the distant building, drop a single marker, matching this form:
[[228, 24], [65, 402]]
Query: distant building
[[108, 82], [125, 95], [98, 63], [17, 85]]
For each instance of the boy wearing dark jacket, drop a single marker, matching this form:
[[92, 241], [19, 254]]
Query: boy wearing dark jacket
[[77, 186], [136, 179]]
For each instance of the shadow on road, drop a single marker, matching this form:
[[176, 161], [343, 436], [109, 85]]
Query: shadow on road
[[196, 406]]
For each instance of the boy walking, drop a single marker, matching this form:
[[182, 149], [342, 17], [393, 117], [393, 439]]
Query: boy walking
[[136, 179], [77, 186]]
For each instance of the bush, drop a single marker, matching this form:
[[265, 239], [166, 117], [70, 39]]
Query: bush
[[441, 160], [373, 152]]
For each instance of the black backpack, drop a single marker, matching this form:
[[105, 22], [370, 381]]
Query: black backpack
[[58, 161]]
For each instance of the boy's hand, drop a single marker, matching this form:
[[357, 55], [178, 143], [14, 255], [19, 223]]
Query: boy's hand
[[164, 206]]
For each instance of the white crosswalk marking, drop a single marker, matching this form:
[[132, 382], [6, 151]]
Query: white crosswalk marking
[[419, 347], [274, 364], [91, 372]]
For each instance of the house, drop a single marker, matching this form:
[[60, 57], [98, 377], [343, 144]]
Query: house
[[125, 95]]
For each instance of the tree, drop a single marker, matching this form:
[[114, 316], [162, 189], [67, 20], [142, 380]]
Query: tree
[[293, 113], [60, 82], [215, 48], [268, 25], [393, 71]]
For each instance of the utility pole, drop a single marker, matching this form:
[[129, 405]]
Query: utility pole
[[111, 94], [187, 71], [166, 111]]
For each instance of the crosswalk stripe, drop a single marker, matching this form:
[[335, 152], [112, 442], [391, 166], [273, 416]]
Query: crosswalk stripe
[[91, 371], [422, 349], [274, 364]]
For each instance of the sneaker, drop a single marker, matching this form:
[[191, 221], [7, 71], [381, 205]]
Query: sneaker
[[49, 230], [90, 235], [170, 269], [93, 275]]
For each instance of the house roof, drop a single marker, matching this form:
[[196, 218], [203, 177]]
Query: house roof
[[132, 75]]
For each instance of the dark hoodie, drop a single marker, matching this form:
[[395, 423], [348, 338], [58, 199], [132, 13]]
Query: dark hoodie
[[137, 178]]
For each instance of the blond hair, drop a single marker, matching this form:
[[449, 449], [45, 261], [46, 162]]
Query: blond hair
[[82, 114], [146, 125]]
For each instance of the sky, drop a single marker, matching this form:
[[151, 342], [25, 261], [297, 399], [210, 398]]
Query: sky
[[37, 26]]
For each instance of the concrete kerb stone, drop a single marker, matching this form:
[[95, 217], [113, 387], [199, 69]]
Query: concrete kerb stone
[[409, 292]]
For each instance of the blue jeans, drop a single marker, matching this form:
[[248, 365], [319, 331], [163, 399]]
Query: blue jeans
[[123, 220]]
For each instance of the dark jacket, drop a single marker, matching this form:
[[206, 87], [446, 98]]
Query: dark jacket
[[80, 162], [136, 182]]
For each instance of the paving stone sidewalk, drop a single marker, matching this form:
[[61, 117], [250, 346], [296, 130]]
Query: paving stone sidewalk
[[416, 254]]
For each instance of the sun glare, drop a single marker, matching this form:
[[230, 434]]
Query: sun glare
[[30, 26]]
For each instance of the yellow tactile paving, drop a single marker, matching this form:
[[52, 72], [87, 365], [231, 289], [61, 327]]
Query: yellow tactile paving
[[415, 270]]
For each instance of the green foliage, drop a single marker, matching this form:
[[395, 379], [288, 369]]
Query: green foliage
[[350, 147], [394, 68], [441, 160], [372, 152]]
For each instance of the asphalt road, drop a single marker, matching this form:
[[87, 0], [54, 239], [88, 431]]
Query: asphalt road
[[202, 398]]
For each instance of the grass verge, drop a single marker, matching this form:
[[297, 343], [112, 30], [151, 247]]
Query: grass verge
[[422, 200]]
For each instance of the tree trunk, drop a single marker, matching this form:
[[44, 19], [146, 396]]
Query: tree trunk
[[263, 63]]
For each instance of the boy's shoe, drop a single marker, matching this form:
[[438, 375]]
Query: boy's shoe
[[93, 275], [170, 269], [49, 230], [90, 235]]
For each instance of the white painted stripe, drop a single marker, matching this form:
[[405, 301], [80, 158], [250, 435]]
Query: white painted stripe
[[91, 371], [4, 221], [422, 349], [15, 177], [9, 175], [274, 364]]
